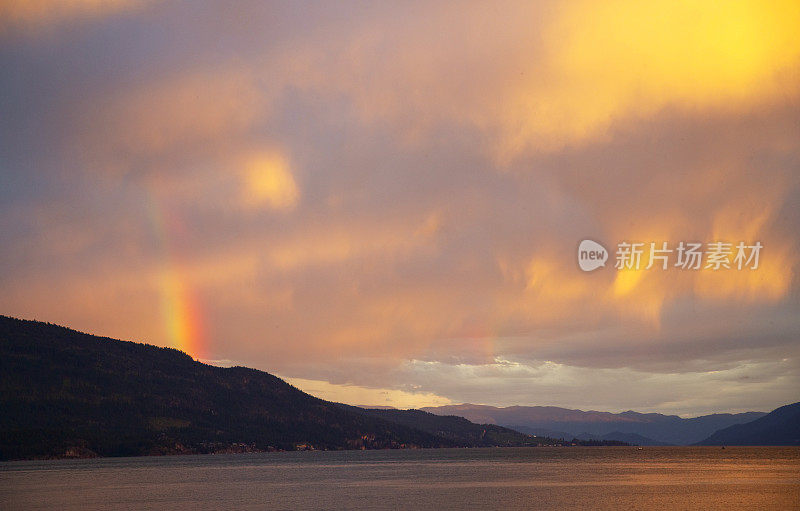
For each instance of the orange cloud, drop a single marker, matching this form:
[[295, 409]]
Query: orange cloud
[[333, 244], [33, 14], [159, 124], [357, 395], [470, 151], [595, 66], [612, 61], [268, 180]]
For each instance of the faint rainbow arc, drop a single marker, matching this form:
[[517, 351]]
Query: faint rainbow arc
[[180, 306]]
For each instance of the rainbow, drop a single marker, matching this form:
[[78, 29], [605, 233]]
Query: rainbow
[[181, 309]]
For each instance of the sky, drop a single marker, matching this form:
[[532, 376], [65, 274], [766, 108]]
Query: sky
[[382, 202]]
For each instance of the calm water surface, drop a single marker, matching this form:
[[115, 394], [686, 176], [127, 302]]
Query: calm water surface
[[518, 478]]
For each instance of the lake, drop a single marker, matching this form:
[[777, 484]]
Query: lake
[[508, 478]]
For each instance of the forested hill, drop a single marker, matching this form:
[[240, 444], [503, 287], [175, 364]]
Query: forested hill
[[66, 393], [779, 427]]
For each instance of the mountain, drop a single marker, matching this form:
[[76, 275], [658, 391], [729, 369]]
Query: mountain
[[457, 429], [68, 394], [655, 427], [550, 433], [629, 438], [779, 427], [614, 436]]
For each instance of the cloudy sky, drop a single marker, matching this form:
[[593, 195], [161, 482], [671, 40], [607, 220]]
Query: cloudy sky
[[383, 203]]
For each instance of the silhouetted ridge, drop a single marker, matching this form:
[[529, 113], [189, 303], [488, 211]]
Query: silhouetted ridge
[[779, 427], [67, 393], [64, 392]]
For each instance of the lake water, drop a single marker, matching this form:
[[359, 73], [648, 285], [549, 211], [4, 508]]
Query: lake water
[[510, 478]]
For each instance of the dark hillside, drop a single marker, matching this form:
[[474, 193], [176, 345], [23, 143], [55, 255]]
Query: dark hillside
[[65, 393], [779, 427]]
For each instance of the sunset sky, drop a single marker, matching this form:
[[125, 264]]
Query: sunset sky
[[382, 202]]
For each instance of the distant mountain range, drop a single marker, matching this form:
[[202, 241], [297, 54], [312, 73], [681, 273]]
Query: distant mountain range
[[68, 394], [779, 427], [632, 427]]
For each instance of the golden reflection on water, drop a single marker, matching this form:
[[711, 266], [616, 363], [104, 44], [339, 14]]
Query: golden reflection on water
[[511, 478]]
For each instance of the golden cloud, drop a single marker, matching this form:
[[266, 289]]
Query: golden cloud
[[590, 67], [357, 395], [530, 82], [268, 180], [612, 61]]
